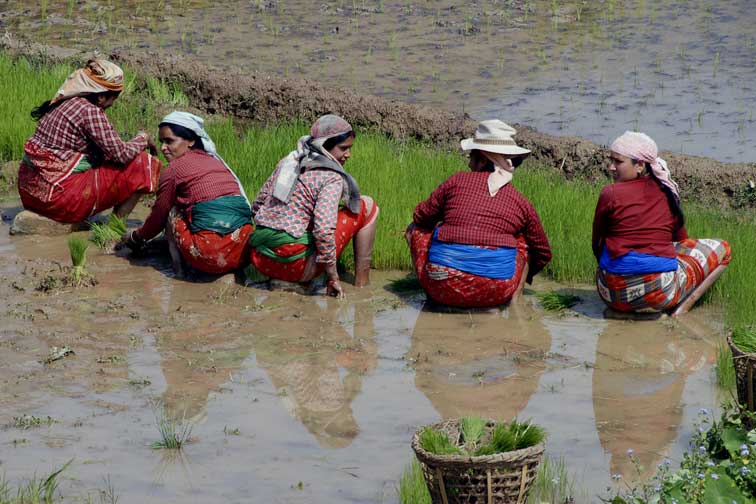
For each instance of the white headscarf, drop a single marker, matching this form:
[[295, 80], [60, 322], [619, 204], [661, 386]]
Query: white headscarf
[[502, 174], [196, 125]]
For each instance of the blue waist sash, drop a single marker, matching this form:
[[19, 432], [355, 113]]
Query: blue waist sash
[[634, 263], [496, 263]]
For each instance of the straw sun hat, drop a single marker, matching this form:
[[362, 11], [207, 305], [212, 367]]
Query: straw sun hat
[[494, 136]]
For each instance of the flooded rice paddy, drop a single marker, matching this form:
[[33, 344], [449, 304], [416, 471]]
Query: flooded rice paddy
[[683, 71], [308, 399]]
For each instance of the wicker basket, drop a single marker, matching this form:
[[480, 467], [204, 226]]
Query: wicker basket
[[501, 478], [745, 373]]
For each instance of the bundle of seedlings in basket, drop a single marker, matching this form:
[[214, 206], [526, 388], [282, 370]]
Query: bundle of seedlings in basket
[[742, 343], [106, 235], [78, 275], [476, 460]]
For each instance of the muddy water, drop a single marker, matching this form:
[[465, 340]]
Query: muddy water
[[307, 399], [680, 70]]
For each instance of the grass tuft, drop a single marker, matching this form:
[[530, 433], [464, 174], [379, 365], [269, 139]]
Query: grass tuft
[[34, 491], [725, 368], [555, 485], [437, 442], [78, 249], [412, 487], [105, 235], [555, 301], [174, 431], [744, 338], [405, 285]]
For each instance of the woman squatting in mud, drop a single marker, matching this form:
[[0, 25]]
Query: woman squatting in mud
[[301, 227], [200, 202], [476, 239], [646, 261], [75, 165]]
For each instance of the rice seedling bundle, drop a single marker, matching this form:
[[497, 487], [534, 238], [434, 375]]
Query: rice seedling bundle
[[105, 235], [78, 250], [501, 438], [555, 301], [745, 338]]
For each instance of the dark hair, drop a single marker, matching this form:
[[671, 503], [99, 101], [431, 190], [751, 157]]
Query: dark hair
[[478, 155], [333, 141], [672, 198], [186, 134], [39, 112]]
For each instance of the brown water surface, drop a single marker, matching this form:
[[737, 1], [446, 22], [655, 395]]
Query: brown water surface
[[308, 399], [680, 70]]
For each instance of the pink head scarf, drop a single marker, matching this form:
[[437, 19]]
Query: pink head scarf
[[641, 147]]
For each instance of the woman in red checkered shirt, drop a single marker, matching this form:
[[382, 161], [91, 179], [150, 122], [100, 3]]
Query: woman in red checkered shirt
[[75, 165], [476, 239]]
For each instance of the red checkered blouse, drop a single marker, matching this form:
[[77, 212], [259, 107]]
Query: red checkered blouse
[[466, 213], [78, 126], [194, 177]]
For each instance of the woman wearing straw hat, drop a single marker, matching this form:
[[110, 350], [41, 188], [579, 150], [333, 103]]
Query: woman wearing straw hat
[[646, 262], [75, 165], [476, 239], [200, 202], [301, 227]]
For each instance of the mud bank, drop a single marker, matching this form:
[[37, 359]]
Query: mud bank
[[270, 99]]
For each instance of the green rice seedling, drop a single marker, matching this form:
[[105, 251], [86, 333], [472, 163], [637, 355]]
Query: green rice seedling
[[412, 487], [556, 301], [174, 431], [78, 249], [105, 235], [554, 484], [472, 429], [437, 442], [512, 436], [724, 367], [745, 338], [34, 491]]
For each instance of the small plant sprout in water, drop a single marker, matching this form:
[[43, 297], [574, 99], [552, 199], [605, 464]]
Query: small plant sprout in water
[[34, 491], [174, 430], [555, 301], [78, 249]]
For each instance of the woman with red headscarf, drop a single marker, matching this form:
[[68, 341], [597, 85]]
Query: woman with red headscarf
[[75, 165], [646, 261], [301, 226]]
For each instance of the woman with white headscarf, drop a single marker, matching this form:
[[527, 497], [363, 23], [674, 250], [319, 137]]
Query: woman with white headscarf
[[646, 261], [75, 165], [200, 202], [310, 208], [476, 239]]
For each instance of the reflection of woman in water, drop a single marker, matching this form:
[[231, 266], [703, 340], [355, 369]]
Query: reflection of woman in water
[[638, 383], [479, 364], [316, 366]]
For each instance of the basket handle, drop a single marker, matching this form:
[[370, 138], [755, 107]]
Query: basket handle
[[441, 485], [523, 479], [488, 483]]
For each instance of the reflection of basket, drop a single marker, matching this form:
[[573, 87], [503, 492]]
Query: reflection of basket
[[745, 373], [501, 478]]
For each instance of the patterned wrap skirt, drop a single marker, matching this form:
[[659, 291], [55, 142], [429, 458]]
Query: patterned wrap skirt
[[453, 287], [209, 251], [347, 225], [75, 196], [656, 292]]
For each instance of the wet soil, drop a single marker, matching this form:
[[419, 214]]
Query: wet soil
[[307, 399]]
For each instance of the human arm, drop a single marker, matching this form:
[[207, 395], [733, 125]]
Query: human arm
[[539, 250], [430, 212], [324, 219], [166, 196], [601, 221], [100, 131]]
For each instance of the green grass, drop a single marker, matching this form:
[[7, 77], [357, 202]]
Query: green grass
[[105, 235], [412, 487], [745, 338], [397, 174], [555, 301], [174, 430], [34, 491], [725, 368], [512, 436], [437, 442]]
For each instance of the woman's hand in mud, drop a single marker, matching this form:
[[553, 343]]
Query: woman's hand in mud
[[333, 286], [131, 240]]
